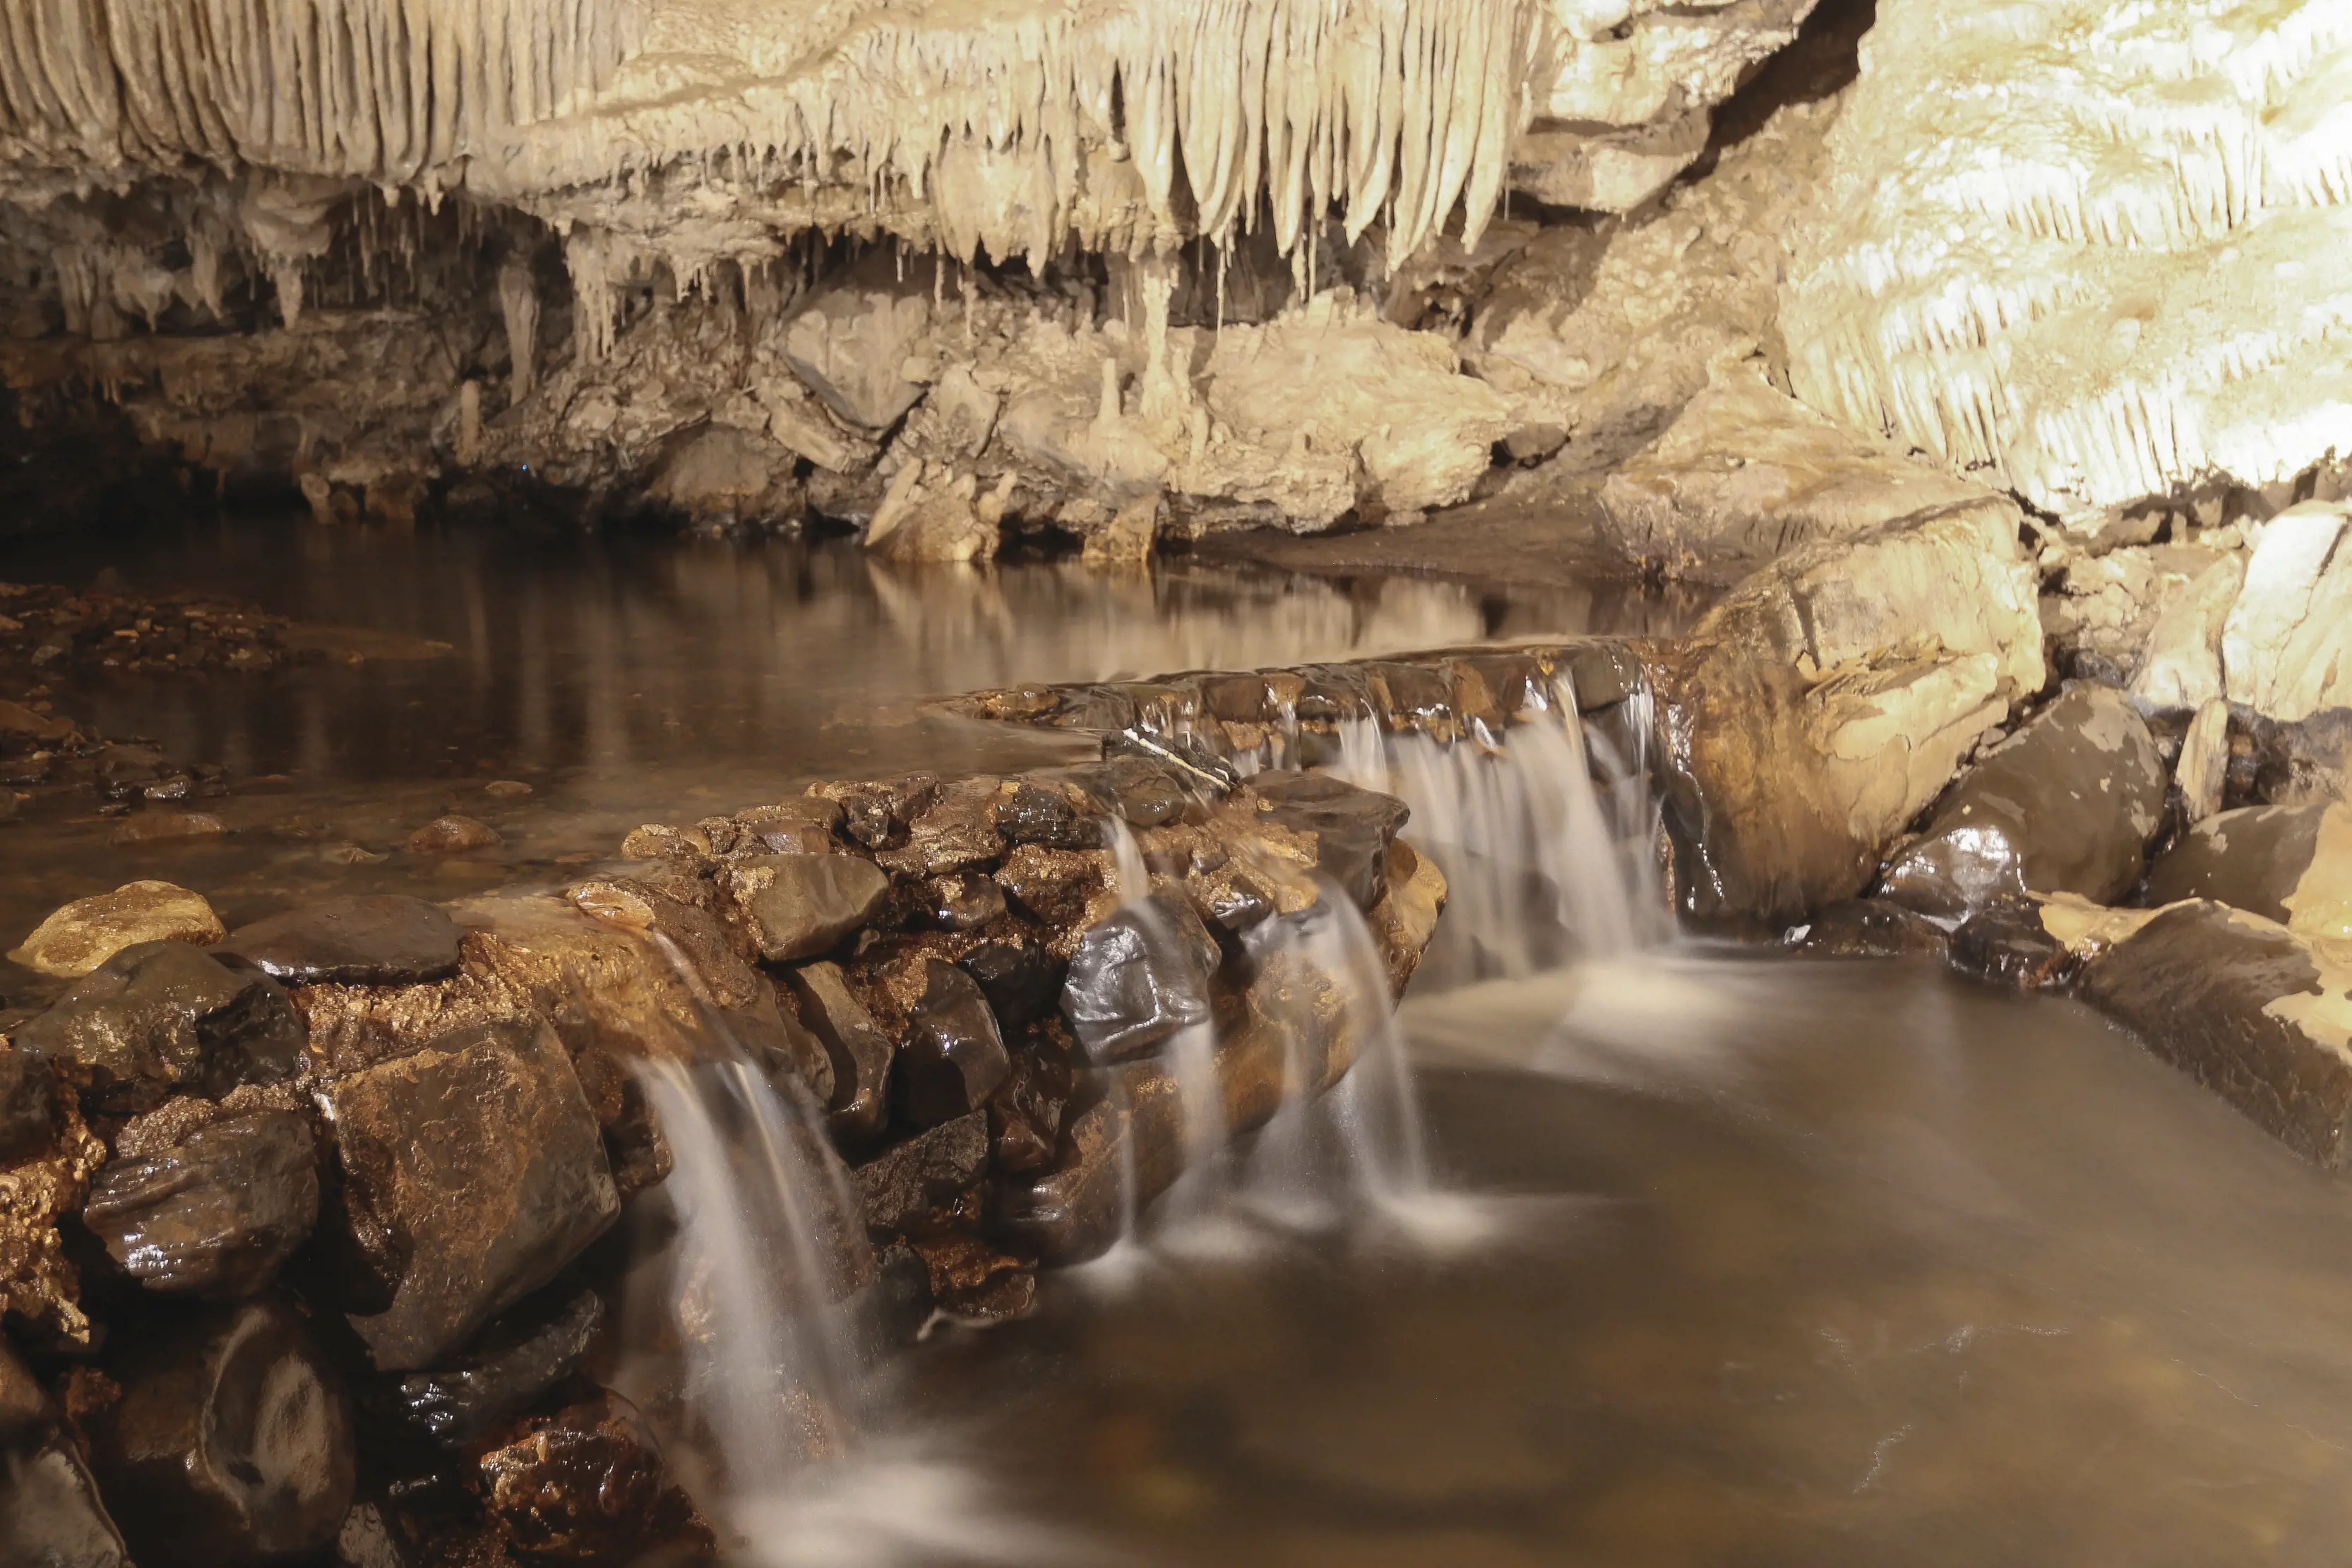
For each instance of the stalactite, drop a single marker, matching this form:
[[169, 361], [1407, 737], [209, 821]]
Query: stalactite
[[519, 305]]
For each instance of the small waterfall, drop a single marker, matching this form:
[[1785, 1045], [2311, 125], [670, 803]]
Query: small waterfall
[[1544, 834]]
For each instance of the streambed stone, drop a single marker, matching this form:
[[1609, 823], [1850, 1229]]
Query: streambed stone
[[232, 1442], [215, 1215], [51, 1514], [1351, 827], [163, 1015], [2257, 1013], [1138, 977], [453, 835], [2288, 863], [367, 939], [799, 906], [1871, 928], [953, 1057], [929, 1169], [1034, 814], [860, 1051], [522, 1356], [2066, 805], [1022, 980], [473, 1171], [588, 1485], [81, 936]]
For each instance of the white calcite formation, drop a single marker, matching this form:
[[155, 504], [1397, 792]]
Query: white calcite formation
[[2090, 252]]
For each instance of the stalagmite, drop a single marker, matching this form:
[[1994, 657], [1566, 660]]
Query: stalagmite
[[519, 305]]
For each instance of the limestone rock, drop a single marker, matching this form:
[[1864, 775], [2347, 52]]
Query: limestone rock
[[2286, 649], [2067, 804], [519, 1358], [1824, 703], [1139, 977], [511, 1185], [724, 474], [929, 1169], [234, 1434], [2203, 771], [799, 906], [2257, 1013], [2292, 864], [370, 939], [1351, 827], [51, 1514], [931, 517], [953, 1057], [1746, 473], [860, 1051], [163, 1015], [850, 342], [2181, 664], [217, 1214], [83, 935], [588, 1485]]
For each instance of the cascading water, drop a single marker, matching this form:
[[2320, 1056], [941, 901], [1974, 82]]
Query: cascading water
[[1544, 834]]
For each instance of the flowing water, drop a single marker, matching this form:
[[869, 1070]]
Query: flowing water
[[1610, 1250]]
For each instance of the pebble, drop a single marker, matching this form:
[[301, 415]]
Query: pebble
[[506, 789], [447, 836], [151, 827]]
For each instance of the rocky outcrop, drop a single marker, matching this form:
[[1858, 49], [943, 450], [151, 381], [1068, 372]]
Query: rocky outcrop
[[2032, 260], [1816, 711]]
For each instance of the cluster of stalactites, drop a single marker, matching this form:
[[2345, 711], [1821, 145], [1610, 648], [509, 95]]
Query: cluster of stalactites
[[2089, 248], [392, 91]]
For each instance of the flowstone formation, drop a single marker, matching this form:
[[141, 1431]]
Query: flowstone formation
[[714, 257], [2083, 251]]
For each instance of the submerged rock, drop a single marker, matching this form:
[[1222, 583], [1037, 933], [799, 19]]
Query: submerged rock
[[51, 1514], [2288, 863], [1139, 977], [588, 1485], [929, 1169], [86, 932], [28, 1099], [232, 1442], [2066, 805], [2255, 1012], [799, 906], [861, 1052], [1034, 814], [522, 1356], [473, 1171], [2008, 941], [451, 835], [219, 1214], [1872, 928], [163, 1015], [370, 939], [953, 1057]]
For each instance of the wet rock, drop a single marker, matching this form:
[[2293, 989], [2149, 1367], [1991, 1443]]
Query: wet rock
[[2008, 943], [219, 1214], [1024, 1114], [953, 1057], [1021, 981], [1053, 887], [850, 341], [2252, 1010], [1871, 928], [860, 1051], [42, 1185], [1236, 902], [804, 825], [157, 827], [83, 935], [234, 1435], [452, 834], [588, 1485], [2288, 863], [50, 1515], [473, 1171], [1138, 977], [927, 1170], [957, 831], [164, 1015], [507, 789], [2285, 763], [370, 939], [28, 1099], [971, 1278], [1352, 827], [798, 907], [1141, 793], [2066, 805], [1121, 1148], [2202, 772], [963, 901], [523, 1356], [877, 813]]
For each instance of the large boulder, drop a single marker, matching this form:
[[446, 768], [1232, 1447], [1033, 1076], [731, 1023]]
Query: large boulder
[[161, 1017], [473, 1170], [216, 1213], [2066, 805], [1826, 701], [2286, 648], [2288, 863], [86, 932], [2257, 1013], [232, 1443]]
